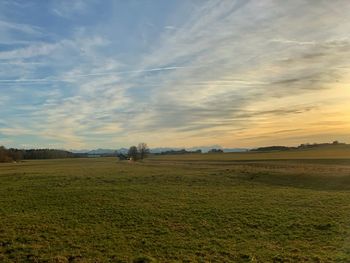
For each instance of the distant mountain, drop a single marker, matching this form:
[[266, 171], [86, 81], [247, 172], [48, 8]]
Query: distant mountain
[[101, 151], [204, 149], [79, 151], [164, 149], [123, 150]]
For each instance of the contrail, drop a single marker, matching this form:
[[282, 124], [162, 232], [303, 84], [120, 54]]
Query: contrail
[[27, 80], [131, 71], [89, 75]]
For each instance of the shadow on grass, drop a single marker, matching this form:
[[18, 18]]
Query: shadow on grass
[[313, 182]]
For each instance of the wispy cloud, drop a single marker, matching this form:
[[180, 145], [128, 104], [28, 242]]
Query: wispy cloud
[[75, 77], [19, 27], [293, 42], [68, 9], [237, 73]]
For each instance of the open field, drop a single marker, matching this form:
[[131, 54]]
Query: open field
[[323, 153], [250, 207]]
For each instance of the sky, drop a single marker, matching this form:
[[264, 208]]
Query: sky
[[88, 74]]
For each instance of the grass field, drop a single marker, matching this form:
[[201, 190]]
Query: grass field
[[249, 207]]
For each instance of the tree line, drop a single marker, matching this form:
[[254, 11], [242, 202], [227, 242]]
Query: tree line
[[182, 151], [301, 146], [15, 155]]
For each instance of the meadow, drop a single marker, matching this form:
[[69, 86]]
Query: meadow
[[239, 207]]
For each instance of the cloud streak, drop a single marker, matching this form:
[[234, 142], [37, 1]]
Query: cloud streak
[[92, 75], [237, 73]]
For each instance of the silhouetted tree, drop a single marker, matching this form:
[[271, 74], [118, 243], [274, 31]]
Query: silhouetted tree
[[133, 153], [143, 150]]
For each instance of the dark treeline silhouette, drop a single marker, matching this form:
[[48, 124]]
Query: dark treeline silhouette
[[183, 151], [301, 146], [9, 155], [273, 148], [313, 145], [46, 154], [215, 151], [15, 155]]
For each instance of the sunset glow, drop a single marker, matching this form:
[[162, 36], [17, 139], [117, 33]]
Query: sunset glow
[[87, 74]]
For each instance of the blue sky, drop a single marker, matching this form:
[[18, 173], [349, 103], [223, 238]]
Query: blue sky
[[87, 74]]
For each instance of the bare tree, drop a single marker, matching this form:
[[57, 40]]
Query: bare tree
[[143, 150], [133, 153]]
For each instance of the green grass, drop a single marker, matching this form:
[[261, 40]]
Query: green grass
[[176, 209]]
